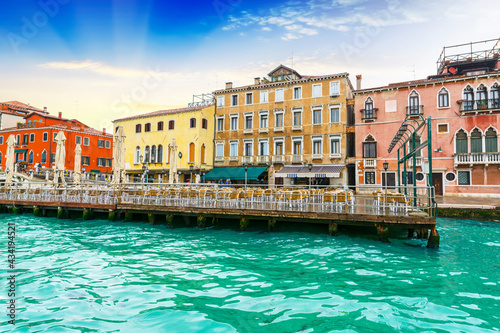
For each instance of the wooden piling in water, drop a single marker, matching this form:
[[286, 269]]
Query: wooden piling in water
[[333, 229], [434, 239], [383, 232]]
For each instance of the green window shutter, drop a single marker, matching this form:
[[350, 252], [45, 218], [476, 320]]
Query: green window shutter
[[476, 145]]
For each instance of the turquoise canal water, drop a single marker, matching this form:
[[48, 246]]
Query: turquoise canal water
[[100, 276]]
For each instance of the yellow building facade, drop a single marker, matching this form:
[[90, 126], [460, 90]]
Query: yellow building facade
[[294, 124], [151, 140]]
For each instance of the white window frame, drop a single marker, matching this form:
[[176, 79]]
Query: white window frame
[[217, 145], [282, 127], [264, 96], [447, 128], [339, 138], [231, 144], [232, 100], [217, 123], [335, 106], [298, 139], [266, 141], [220, 101], [78, 138], [315, 92], [231, 117], [250, 142], [320, 109], [317, 154], [299, 89], [245, 116], [107, 144], [294, 111], [275, 143], [281, 96], [449, 98], [334, 88], [261, 114], [86, 138], [251, 98]]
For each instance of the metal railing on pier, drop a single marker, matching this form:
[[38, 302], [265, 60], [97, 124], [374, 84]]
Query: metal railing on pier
[[366, 199]]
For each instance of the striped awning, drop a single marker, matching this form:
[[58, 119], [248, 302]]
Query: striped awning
[[317, 171]]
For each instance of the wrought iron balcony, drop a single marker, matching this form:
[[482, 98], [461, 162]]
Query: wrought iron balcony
[[369, 115], [479, 105], [414, 109], [477, 158]]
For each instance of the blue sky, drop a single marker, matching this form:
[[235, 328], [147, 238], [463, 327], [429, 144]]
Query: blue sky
[[101, 60]]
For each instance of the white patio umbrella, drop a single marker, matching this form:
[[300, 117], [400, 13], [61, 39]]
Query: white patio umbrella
[[9, 163], [78, 164], [60, 158], [173, 163], [118, 156]]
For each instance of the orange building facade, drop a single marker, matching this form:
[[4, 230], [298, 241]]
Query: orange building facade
[[36, 148]]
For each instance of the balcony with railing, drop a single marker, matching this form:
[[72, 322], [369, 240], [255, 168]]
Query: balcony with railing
[[370, 163], [297, 158], [418, 161], [479, 105], [414, 110], [263, 159], [279, 159], [247, 159], [368, 115], [477, 158]]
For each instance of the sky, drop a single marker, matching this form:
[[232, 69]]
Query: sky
[[99, 60]]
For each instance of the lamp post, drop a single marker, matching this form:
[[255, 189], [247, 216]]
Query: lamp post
[[386, 166], [191, 167], [83, 173], [203, 177], [309, 166], [179, 173], [246, 170]]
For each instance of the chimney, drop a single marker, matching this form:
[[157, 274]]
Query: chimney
[[68, 125], [60, 114], [229, 85], [257, 80], [104, 131], [358, 82], [81, 128], [45, 109]]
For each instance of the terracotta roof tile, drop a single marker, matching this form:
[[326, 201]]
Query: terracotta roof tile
[[17, 104], [163, 112]]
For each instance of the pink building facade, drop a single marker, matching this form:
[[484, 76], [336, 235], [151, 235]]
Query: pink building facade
[[464, 104]]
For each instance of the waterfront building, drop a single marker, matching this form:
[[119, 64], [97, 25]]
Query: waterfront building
[[293, 126], [13, 112], [35, 147], [150, 137], [463, 101]]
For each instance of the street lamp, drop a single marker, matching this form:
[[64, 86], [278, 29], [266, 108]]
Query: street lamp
[[386, 166], [203, 177], [83, 172], [191, 167], [310, 166], [246, 170], [179, 173]]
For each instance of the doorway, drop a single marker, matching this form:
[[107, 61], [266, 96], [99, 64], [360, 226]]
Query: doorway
[[391, 179], [437, 182]]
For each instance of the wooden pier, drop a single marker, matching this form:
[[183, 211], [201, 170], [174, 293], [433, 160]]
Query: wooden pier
[[332, 208]]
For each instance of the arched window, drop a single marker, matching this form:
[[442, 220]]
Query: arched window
[[476, 141], [369, 108], [138, 128], [44, 157], [370, 147], [153, 154], [171, 124], [159, 126], [137, 156], [191, 152], [414, 103], [18, 139], [461, 142], [192, 122], [491, 141], [160, 154], [495, 96], [202, 157], [147, 154], [468, 100], [443, 98], [0, 157], [204, 123], [482, 97], [30, 157]]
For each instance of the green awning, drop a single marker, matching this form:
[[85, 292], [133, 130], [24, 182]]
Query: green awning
[[234, 173], [20, 150]]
